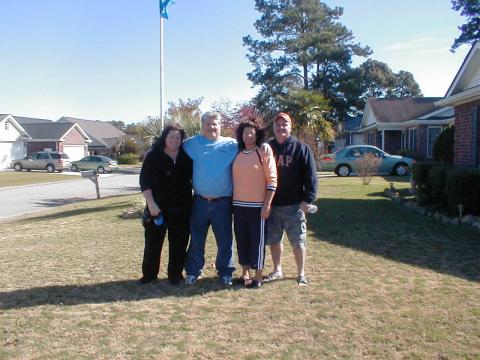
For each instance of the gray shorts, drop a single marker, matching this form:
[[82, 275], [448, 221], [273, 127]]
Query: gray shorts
[[290, 219]]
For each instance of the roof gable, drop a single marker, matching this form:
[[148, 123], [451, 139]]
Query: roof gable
[[468, 75], [15, 124], [100, 132], [47, 131]]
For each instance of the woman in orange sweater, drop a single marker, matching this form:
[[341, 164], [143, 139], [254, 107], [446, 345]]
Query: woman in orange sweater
[[254, 184]]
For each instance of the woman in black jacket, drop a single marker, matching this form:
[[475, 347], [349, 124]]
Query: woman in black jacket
[[166, 184]]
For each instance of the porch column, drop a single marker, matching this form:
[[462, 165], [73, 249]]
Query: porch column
[[383, 140]]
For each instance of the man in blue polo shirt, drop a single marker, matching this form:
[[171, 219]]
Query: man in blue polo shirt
[[212, 157]]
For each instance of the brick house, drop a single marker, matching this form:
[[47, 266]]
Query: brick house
[[410, 124], [464, 95], [46, 135], [102, 133]]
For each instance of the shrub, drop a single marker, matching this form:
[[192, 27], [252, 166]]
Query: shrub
[[128, 159], [443, 145], [437, 178], [420, 177], [463, 187], [411, 154], [367, 166]]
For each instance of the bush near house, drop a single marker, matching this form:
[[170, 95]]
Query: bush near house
[[442, 185], [463, 187], [127, 159], [443, 146], [420, 177]]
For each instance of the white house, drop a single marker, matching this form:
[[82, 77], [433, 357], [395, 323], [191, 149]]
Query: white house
[[12, 140]]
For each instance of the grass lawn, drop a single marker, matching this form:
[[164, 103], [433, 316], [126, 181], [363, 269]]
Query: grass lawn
[[386, 283], [10, 178]]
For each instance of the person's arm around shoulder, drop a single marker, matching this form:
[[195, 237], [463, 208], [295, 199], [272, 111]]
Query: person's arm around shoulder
[[146, 175], [270, 171], [189, 145], [309, 177]]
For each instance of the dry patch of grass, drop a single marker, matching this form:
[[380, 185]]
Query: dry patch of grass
[[8, 178], [385, 283]]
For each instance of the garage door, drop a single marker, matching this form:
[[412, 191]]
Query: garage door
[[74, 152], [10, 151]]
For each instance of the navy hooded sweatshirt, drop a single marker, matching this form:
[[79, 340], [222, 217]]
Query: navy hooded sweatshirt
[[296, 172]]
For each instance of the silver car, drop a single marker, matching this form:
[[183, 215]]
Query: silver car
[[43, 160]]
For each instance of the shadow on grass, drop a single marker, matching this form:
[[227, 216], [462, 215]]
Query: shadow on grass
[[113, 291], [382, 228], [74, 212]]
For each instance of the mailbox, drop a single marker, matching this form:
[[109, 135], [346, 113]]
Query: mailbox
[[88, 174]]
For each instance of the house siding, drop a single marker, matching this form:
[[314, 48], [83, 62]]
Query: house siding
[[463, 135], [74, 137]]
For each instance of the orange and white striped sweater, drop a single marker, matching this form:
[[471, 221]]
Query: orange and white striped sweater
[[254, 172]]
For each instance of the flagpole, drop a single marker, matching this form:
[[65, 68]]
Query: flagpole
[[161, 72]]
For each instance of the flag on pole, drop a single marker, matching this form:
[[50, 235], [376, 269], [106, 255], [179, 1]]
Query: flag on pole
[[163, 7]]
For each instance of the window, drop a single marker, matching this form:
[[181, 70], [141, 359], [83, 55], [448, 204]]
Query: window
[[412, 139], [42, 156], [355, 152]]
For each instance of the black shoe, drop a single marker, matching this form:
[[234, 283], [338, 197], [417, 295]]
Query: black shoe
[[255, 284], [145, 281]]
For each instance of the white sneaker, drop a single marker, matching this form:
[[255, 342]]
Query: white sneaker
[[276, 275]]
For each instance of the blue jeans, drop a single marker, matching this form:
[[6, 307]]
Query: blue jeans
[[217, 213]]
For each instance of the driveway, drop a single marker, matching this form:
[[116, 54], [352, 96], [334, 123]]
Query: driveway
[[20, 200]]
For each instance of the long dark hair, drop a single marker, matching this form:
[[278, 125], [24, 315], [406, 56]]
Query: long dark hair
[[255, 122], [160, 143]]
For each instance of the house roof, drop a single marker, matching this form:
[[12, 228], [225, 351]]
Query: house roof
[[15, 123], [470, 65], [352, 123], [27, 120], [465, 87], [102, 133], [50, 131], [401, 109]]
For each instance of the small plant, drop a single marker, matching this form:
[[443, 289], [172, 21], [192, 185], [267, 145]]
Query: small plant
[[367, 166]]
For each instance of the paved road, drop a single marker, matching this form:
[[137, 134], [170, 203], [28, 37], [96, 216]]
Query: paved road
[[17, 201]]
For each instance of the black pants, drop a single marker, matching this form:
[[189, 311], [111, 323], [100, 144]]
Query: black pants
[[177, 225]]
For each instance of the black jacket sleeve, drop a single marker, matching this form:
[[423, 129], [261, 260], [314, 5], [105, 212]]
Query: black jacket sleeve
[[309, 175], [147, 172]]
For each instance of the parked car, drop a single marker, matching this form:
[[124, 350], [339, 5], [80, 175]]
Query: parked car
[[342, 162], [98, 163], [43, 160]]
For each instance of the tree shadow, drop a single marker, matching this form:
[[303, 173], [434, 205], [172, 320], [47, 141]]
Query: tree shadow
[[113, 291], [378, 227], [73, 212]]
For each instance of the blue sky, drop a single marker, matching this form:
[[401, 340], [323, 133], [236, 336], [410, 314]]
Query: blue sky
[[99, 59]]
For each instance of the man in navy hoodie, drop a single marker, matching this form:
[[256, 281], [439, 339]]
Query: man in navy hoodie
[[296, 189]]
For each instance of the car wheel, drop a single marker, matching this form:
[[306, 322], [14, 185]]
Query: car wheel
[[343, 170], [50, 168], [401, 169], [74, 168], [17, 167], [100, 170]]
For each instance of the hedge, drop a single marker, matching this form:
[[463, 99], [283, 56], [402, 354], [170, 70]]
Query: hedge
[[128, 159], [463, 187], [437, 179], [442, 185]]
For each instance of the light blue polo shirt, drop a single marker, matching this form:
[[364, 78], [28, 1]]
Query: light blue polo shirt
[[212, 164]]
